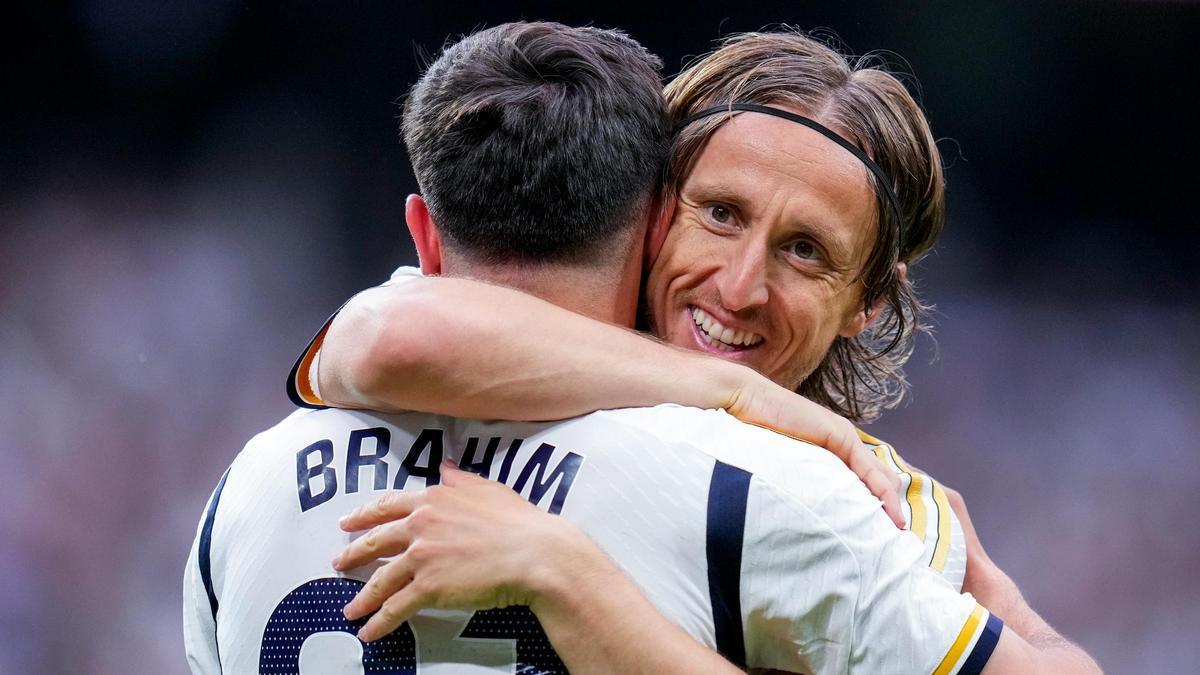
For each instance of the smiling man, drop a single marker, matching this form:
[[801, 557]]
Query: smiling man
[[761, 264], [765, 548]]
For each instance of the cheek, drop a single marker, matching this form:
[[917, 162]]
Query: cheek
[[684, 259], [812, 327]]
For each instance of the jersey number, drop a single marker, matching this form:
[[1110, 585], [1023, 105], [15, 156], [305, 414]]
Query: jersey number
[[316, 607]]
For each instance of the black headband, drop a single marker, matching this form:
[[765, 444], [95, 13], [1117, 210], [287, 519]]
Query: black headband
[[881, 178]]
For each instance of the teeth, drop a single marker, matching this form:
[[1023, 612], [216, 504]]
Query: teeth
[[719, 336]]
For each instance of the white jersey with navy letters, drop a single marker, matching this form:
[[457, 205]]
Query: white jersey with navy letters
[[762, 547], [926, 510]]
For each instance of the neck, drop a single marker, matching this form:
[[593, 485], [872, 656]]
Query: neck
[[607, 293]]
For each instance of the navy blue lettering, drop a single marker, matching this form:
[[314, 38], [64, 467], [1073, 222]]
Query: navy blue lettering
[[305, 474], [484, 466], [355, 460], [430, 439], [506, 465], [540, 461]]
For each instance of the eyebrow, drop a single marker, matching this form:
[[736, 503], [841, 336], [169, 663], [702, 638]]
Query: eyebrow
[[717, 192], [836, 246]]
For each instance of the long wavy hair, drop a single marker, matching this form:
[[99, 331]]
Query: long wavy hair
[[864, 375]]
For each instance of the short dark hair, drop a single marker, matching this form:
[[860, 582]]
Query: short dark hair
[[538, 141]]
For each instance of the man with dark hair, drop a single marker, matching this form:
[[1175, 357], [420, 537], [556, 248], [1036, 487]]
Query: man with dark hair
[[539, 149], [763, 547], [532, 146]]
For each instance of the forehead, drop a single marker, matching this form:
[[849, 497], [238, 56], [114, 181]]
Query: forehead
[[774, 164]]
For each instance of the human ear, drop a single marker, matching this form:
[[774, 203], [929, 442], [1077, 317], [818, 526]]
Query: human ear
[[424, 233], [660, 224], [864, 318]]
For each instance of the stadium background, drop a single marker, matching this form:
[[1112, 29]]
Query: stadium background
[[188, 188]]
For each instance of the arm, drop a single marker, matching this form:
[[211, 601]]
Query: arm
[[905, 617], [454, 550], [199, 624], [1035, 646], [469, 349]]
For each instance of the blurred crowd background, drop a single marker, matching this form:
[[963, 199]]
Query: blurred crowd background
[[187, 189]]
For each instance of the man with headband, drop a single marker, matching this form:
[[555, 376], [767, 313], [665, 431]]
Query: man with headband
[[766, 548]]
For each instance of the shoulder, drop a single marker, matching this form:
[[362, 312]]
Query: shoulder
[[717, 433], [312, 423], [272, 456], [402, 274], [801, 471], [302, 425], [928, 513]]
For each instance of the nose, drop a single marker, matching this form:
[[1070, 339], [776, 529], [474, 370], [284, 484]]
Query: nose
[[742, 281]]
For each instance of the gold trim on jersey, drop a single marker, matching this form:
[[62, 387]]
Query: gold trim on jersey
[[969, 634], [918, 502], [941, 551]]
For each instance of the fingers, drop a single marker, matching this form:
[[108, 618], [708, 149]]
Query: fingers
[[843, 440], [802, 419], [382, 541], [391, 506], [395, 611], [452, 476], [385, 582], [791, 415], [882, 482], [823, 427]]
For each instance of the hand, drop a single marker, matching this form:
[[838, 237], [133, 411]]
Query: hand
[[763, 403], [468, 543]]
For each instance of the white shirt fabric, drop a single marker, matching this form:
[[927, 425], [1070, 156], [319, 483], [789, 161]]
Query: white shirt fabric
[[765, 548], [750, 541], [926, 510]]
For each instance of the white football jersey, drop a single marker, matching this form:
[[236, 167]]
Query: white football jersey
[[928, 514], [926, 510], [767, 549]]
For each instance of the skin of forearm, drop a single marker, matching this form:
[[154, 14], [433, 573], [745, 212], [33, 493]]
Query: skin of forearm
[[600, 623], [440, 345], [1051, 652]]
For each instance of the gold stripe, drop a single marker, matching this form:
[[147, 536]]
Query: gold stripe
[[942, 550], [881, 451], [916, 502], [868, 438], [960, 643]]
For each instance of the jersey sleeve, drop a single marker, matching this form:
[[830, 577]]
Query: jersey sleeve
[[199, 599], [928, 514], [302, 380], [905, 612], [831, 586]]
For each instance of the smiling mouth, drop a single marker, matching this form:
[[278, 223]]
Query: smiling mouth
[[719, 337]]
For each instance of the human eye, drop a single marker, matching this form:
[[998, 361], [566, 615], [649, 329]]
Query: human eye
[[720, 215], [803, 249]]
